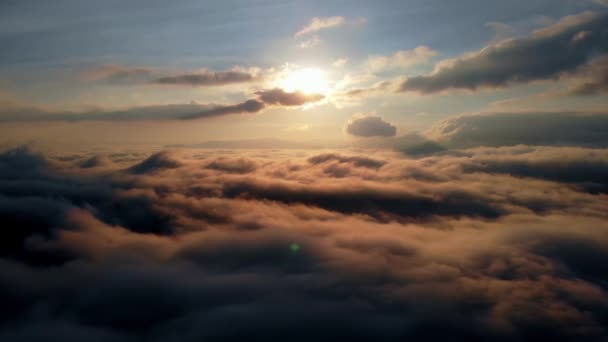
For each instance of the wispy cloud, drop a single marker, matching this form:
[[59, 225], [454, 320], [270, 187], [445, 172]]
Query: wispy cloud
[[401, 59], [320, 23], [311, 42]]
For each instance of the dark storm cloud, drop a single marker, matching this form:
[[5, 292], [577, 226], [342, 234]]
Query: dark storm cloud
[[198, 245], [504, 129], [546, 54], [208, 78], [370, 126]]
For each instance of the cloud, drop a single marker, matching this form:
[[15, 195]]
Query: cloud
[[320, 23], [83, 252], [197, 246], [230, 165], [120, 74], [591, 79], [601, 2], [370, 126], [209, 78], [249, 106], [401, 59], [546, 54], [156, 162], [355, 160], [584, 168], [279, 96], [17, 112], [268, 97], [314, 41], [504, 129], [340, 62]]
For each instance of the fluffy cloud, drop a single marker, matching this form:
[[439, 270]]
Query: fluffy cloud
[[546, 54], [197, 245], [370, 126]]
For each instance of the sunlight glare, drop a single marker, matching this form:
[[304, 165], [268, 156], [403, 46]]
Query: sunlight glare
[[307, 80]]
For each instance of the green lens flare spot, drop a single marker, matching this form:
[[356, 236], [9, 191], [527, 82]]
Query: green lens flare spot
[[294, 247]]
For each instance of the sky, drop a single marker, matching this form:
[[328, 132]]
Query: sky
[[156, 63], [304, 170]]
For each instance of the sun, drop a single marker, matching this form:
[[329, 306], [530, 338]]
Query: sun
[[306, 80]]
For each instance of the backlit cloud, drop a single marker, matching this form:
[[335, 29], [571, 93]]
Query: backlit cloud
[[370, 126], [188, 241], [544, 55]]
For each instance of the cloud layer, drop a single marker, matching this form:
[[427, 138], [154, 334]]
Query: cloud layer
[[505, 129], [485, 244]]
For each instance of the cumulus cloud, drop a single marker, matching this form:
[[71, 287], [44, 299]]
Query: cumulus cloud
[[546, 54], [370, 126], [204, 245], [320, 23]]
